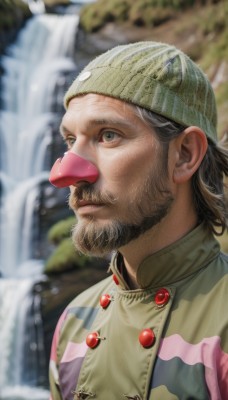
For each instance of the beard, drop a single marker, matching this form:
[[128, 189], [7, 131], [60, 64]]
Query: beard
[[149, 205]]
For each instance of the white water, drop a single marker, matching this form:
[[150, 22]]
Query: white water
[[33, 65]]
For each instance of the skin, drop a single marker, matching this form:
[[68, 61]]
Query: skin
[[106, 132]]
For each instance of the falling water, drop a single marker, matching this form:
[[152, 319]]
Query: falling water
[[34, 65]]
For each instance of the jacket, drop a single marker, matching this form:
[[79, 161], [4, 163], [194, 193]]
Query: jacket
[[166, 340]]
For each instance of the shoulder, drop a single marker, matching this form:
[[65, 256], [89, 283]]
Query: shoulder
[[219, 266], [224, 259], [82, 311]]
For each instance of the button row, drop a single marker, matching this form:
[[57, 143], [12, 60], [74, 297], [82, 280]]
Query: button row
[[161, 297], [146, 338]]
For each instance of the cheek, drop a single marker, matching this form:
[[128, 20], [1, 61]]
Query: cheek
[[120, 168], [128, 164]]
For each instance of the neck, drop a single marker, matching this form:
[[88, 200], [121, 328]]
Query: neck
[[174, 226]]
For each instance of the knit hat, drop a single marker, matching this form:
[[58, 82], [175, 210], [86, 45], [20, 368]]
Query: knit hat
[[155, 76]]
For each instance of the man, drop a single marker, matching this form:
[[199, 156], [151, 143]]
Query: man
[[145, 173]]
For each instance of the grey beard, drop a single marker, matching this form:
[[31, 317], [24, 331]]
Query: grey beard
[[92, 240]]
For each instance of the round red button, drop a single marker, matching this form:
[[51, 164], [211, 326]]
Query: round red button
[[93, 340], [116, 280], [147, 337], [162, 297], [105, 300]]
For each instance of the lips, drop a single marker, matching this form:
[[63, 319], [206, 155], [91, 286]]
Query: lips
[[86, 208], [84, 203]]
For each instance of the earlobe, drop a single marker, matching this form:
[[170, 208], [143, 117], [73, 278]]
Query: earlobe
[[190, 150]]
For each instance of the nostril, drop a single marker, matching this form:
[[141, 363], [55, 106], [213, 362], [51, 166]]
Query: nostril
[[72, 169]]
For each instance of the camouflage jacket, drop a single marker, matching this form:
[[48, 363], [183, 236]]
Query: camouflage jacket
[[166, 340]]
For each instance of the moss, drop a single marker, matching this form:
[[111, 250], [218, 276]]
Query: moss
[[214, 22], [139, 12], [12, 5], [143, 14], [214, 29], [61, 230], [12, 13], [65, 258], [94, 16]]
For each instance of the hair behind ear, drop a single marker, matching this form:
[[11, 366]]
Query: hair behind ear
[[209, 188]]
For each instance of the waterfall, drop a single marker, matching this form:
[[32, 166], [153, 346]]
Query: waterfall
[[36, 6], [36, 69]]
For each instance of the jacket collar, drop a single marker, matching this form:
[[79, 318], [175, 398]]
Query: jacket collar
[[173, 263]]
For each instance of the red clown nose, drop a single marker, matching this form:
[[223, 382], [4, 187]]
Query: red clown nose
[[72, 169]]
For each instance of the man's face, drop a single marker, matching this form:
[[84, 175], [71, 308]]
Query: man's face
[[131, 194]]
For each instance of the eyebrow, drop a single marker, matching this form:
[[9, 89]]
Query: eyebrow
[[99, 122], [64, 131]]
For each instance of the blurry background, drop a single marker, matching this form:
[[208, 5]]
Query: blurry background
[[43, 45]]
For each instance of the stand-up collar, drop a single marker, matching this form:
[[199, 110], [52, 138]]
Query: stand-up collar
[[173, 263]]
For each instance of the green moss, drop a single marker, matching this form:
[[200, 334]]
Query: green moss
[[12, 14], [94, 16], [61, 230], [214, 20], [140, 12], [213, 55], [214, 28], [143, 14], [65, 258], [12, 6]]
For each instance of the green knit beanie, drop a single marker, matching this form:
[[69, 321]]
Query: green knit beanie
[[155, 76]]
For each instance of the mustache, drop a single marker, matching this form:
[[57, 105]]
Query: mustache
[[89, 194]]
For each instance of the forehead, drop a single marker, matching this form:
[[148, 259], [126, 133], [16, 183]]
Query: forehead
[[91, 106]]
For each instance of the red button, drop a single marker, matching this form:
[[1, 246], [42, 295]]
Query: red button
[[93, 340], [162, 297], [147, 337], [105, 300], [116, 280]]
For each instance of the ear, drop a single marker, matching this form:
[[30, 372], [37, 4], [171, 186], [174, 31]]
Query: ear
[[190, 149]]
